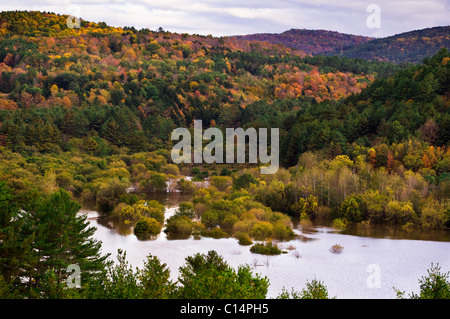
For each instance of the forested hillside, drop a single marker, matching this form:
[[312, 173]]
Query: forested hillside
[[128, 87], [86, 116], [408, 47], [412, 104], [310, 41], [411, 46]]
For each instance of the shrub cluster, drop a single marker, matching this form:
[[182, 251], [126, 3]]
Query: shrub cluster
[[266, 249]]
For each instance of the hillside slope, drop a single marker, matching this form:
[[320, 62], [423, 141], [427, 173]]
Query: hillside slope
[[131, 87], [309, 41], [414, 104], [411, 46]]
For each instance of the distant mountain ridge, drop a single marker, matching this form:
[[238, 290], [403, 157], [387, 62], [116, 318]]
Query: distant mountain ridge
[[412, 46], [309, 41]]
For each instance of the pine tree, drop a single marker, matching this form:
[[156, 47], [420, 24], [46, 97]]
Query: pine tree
[[15, 249], [112, 132], [208, 276], [15, 139], [90, 145], [69, 123], [63, 237]]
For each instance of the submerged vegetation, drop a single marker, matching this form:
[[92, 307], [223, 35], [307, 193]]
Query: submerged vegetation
[[267, 248], [336, 249]]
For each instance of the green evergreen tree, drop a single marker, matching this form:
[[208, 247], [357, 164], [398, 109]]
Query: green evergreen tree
[[208, 276], [112, 132], [69, 123], [15, 138], [120, 281], [62, 238], [155, 279], [15, 248]]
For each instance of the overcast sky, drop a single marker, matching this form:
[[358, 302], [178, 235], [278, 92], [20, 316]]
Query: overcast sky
[[233, 17]]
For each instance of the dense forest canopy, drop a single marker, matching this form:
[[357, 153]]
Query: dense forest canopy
[[407, 47], [100, 92], [411, 46], [128, 87], [104, 91]]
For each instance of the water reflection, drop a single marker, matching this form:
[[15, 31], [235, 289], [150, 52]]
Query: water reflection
[[377, 231], [397, 232], [304, 238], [145, 237], [118, 227], [170, 200]]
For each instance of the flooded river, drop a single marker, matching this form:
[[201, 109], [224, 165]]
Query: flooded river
[[369, 266]]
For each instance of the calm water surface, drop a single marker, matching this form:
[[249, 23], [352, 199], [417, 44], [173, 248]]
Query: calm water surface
[[401, 262]]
